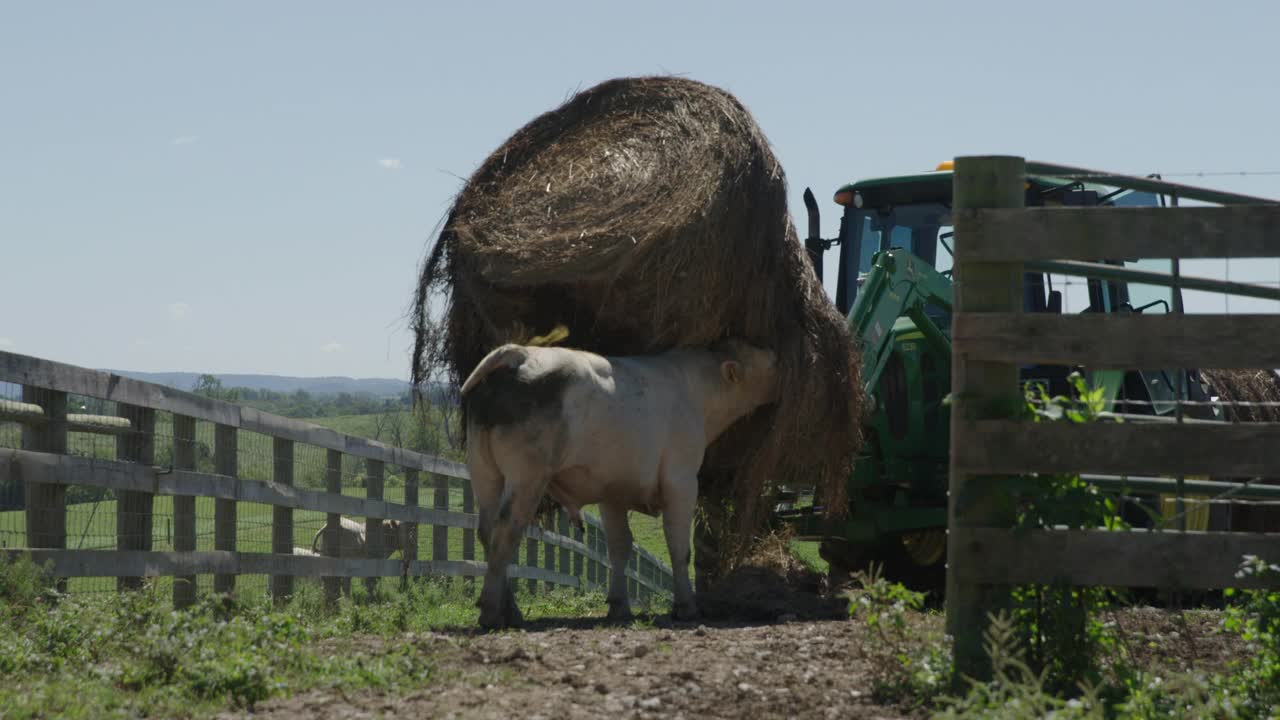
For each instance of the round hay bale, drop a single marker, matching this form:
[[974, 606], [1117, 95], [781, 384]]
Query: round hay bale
[[642, 214], [1249, 396]]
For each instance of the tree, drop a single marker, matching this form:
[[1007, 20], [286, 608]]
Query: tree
[[210, 386]]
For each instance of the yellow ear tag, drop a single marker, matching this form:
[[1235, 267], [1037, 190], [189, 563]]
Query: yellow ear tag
[[558, 333]]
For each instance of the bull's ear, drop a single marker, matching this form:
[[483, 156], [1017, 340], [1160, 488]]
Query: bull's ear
[[731, 370]]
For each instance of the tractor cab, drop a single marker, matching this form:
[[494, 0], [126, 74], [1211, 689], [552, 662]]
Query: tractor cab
[[912, 213]]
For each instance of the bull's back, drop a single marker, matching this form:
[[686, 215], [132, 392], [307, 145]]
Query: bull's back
[[512, 395]]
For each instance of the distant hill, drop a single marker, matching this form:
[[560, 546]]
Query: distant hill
[[379, 387]]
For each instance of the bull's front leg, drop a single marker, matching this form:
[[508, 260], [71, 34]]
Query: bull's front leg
[[618, 537], [680, 499]]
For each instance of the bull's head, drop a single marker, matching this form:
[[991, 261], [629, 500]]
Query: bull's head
[[751, 371]]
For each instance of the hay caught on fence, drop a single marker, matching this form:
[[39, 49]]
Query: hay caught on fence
[[643, 214]]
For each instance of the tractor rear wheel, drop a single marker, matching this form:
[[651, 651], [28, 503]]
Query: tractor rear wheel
[[916, 559]]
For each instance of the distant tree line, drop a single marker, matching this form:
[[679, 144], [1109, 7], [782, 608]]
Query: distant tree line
[[300, 403]]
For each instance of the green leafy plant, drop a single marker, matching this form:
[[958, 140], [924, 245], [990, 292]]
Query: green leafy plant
[[907, 666], [1059, 631], [1256, 619], [1016, 691]]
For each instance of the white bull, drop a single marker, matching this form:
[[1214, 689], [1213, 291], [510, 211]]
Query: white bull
[[628, 433]]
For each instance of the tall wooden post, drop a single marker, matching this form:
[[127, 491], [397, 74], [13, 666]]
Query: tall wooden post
[[548, 562], [980, 390], [468, 535], [578, 559], [46, 505], [440, 533], [282, 517], [134, 508], [531, 559], [410, 534], [372, 525], [562, 529], [225, 455], [333, 586], [184, 507]]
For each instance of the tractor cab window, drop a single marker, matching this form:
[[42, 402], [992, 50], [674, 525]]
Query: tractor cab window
[[914, 228], [1148, 299]]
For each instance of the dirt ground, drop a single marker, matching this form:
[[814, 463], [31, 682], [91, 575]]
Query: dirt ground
[[576, 668], [784, 648], [580, 669]]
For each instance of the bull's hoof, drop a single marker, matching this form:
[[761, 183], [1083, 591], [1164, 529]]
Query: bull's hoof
[[511, 614], [620, 610], [492, 624], [684, 612]]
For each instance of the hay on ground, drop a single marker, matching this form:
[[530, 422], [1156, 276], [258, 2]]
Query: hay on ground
[[770, 584], [643, 214]]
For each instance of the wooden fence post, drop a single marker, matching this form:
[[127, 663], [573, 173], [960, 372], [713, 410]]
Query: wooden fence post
[[374, 476], [548, 562], [980, 390], [282, 517], [562, 529], [184, 507], [578, 558], [135, 508], [333, 586], [46, 505], [468, 535], [531, 559], [225, 460], [410, 535], [440, 533]]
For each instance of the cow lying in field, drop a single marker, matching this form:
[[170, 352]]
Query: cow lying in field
[[628, 433], [352, 541]]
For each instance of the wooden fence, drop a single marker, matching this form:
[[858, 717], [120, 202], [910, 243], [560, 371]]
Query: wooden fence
[[995, 237], [44, 470]]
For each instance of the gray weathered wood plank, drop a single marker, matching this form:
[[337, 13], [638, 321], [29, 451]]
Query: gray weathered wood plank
[[1015, 448], [75, 470], [27, 370], [38, 372], [1170, 560], [109, 563], [1099, 340], [304, 432], [1242, 231]]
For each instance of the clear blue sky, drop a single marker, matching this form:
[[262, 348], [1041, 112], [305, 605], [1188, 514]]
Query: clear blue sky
[[249, 186]]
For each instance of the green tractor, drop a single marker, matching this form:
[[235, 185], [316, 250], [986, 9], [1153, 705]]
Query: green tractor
[[894, 284]]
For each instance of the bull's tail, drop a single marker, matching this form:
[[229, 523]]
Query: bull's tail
[[504, 356]]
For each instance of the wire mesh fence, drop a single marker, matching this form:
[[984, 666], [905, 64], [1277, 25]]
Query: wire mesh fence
[[95, 516]]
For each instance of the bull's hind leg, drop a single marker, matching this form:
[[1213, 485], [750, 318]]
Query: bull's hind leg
[[526, 483], [487, 482], [617, 535]]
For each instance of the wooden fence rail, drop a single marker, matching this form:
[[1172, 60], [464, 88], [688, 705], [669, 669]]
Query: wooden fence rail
[[995, 236], [572, 558]]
